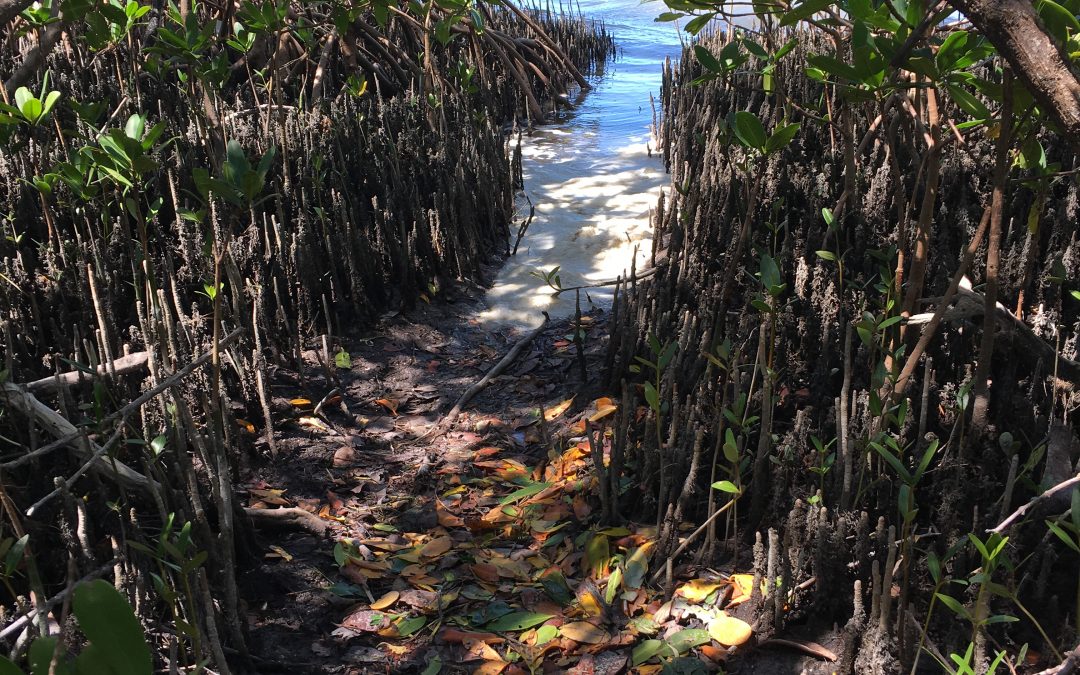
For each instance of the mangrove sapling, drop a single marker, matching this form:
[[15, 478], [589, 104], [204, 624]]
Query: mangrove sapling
[[1067, 529], [825, 461], [663, 354]]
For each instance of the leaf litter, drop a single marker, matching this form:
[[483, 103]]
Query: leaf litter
[[493, 559]]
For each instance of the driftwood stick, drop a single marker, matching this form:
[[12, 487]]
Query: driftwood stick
[[495, 371], [611, 282], [1048, 494], [1069, 666], [59, 427], [288, 518], [122, 366], [125, 412], [472, 391]]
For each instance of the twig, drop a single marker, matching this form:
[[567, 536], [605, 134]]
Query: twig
[[524, 225], [1070, 665], [121, 366], [495, 371], [288, 518], [1019, 513], [693, 535], [611, 282]]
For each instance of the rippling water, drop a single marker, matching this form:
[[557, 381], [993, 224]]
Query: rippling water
[[590, 175]]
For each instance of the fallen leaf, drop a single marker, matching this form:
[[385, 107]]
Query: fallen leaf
[[743, 585], [730, 631], [455, 635], [436, 547], [697, 590], [806, 647], [551, 414], [345, 456], [386, 600], [245, 425], [583, 631], [279, 552], [491, 668], [299, 402], [390, 404], [366, 620], [447, 519], [314, 423], [515, 621]]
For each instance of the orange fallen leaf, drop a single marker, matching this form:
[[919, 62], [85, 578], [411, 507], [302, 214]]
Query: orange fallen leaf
[[278, 552], [455, 635], [386, 600], [491, 668], [727, 630], [447, 519], [436, 547], [485, 572], [245, 425], [299, 402], [603, 412], [390, 404]]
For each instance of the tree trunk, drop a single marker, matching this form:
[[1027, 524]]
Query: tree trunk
[[1015, 30]]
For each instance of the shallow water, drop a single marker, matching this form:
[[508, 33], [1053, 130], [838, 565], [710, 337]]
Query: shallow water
[[590, 176]]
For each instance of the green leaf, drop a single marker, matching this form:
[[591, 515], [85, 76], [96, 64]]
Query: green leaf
[[343, 360], [804, 11], [544, 634], [411, 625], [749, 131], [705, 57], [9, 668], [434, 666], [613, 583], [652, 397], [516, 621], [597, 554], [41, 654], [1063, 535], [109, 623], [951, 50], [826, 255], [637, 566], [647, 650], [833, 67], [687, 639], [523, 493], [726, 486], [1058, 20], [967, 101], [731, 447], [953, 604], [781, 137]]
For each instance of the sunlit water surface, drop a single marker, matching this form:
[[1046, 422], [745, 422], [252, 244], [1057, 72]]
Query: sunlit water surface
[[590, 176]]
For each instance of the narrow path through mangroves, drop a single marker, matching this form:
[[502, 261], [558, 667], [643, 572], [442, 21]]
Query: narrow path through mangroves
[[593, 177]]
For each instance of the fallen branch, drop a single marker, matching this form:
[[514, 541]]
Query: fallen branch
[[124, 365], [1048, 494], [495, 371], [57, 426], [288, 518], [125, 412], [970, 304], [612, 282], [809, 648], [1070, 665], [693, 535]]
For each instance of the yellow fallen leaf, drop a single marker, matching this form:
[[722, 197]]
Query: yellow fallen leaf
[[245, 425], [313, 422], [386, 600], [552, 413], [279, 553], [583, 631], [601, 413], [743, 585], [436, 547], [299, 402], [727, 630], [697, 590], [396, 650]]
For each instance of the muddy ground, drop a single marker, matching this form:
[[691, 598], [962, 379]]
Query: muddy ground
[[439, 502]]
